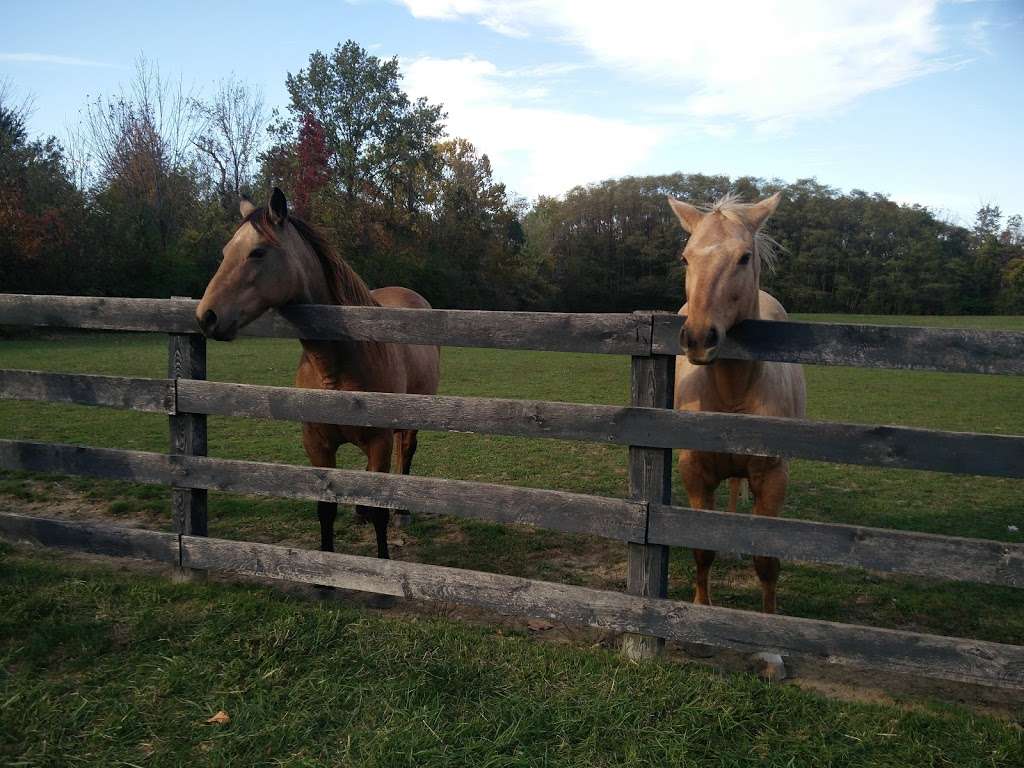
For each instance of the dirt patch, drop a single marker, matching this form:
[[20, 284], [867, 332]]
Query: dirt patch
[[597, 565], [56, 500]]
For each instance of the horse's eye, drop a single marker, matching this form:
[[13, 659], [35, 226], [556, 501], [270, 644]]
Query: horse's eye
[[745, 258], [257, 253]]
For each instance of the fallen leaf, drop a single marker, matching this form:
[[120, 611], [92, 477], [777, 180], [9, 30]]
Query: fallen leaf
[[221, 718], [539, 625]]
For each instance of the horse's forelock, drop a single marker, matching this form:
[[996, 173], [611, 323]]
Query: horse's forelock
[[259, 220], [732, 206]]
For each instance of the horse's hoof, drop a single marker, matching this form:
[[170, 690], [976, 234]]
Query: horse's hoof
[[769, 666]]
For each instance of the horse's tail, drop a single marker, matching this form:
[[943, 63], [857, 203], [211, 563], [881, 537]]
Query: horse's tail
[[735, 485]]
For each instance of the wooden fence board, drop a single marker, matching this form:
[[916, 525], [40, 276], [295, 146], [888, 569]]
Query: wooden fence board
[[624, 334], [962, 659], [154, 395], [869, 445], [954, 350], [618, 519], [943, 557], [95, 538], [952, 658], [934, 349], [650, 481], [186, 359], [883, 446]]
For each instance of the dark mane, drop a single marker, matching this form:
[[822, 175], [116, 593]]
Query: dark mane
[[345, 286]]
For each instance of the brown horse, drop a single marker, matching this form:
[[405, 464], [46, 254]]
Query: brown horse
[[275, 259], [724, 257]]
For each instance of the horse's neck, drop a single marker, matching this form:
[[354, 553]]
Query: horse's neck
[[340, 363], [734, 380], [345, 364]]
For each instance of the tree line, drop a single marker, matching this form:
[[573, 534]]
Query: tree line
[[141, 196]]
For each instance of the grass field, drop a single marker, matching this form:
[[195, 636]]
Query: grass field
[[45, 592]]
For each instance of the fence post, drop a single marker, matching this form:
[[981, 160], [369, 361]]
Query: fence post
[[650, 479], [186, 359]]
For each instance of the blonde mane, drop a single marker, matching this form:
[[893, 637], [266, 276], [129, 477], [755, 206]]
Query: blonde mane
[[731, 205]]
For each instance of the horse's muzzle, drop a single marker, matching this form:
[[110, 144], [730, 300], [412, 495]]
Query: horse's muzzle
[[700, 348], [212, 327]]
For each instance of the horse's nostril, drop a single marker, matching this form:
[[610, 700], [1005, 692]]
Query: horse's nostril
[[712, 339], [209, 320], [687, 339]]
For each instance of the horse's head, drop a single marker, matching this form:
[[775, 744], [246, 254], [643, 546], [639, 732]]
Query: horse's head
[[723, 259], [263, 267]]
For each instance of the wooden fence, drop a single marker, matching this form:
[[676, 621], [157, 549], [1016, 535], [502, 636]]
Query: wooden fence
[[647, 521]]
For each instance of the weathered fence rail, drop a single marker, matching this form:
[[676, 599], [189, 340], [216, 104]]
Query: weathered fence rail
[[964, 453], [619, 519], [640, 333], [906, 652], [647, 521], [614, 334], [946, 557]]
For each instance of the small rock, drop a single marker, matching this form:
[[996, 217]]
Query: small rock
[[769, 666], [1012, 528], [539, 625]]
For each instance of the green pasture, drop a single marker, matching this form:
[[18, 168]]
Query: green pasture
[[481, 694]]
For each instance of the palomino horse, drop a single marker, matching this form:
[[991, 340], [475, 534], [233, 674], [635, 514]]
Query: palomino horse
[[274, 259], [723, 257]]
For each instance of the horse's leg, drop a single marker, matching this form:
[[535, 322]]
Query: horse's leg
[[322, 453], [769, 489], [704, 558], [378, 459], [701, 494], [405, 449]]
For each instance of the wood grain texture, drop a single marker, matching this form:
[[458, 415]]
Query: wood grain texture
[[152, 395], [930, 655], [872, 346], [905, 652], [882, 446], [650, 481], [186, 359], [942, 557], [617, 519], [567, 332], [864, 346], [96, 538]]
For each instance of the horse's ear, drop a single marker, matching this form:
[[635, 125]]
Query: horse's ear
[[278, 207], [245, 206], [689, 215], [758, 213]]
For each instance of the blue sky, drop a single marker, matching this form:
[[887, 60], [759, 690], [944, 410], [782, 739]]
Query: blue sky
[[920, 100]]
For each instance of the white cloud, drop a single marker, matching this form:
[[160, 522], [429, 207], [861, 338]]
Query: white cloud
[[534, 147], [46, 58], [764, 61]]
